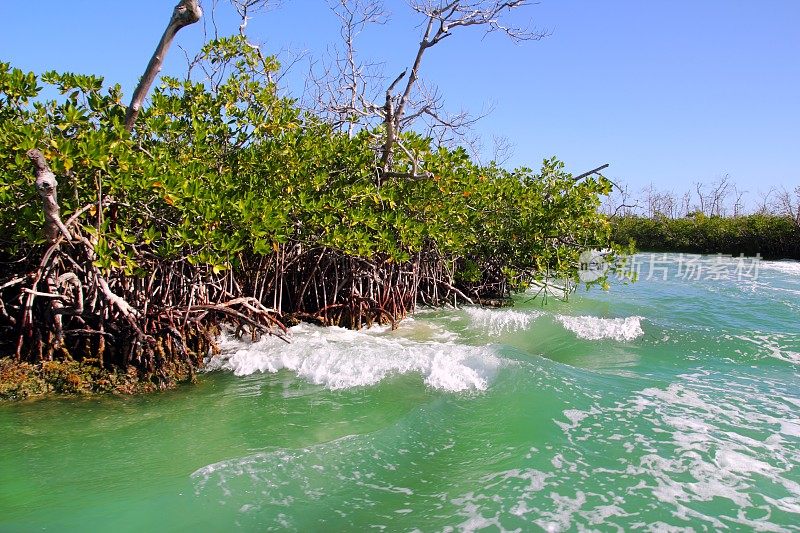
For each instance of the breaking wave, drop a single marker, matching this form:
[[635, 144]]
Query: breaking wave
[[595, 328], [498, 321], [338, 358], [785, 267]]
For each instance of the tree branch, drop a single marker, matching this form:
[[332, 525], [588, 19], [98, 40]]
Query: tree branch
[[593, 171], [185, 13], [46, 186]]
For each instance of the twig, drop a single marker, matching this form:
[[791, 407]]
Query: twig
[[593, 171], [15, 281]]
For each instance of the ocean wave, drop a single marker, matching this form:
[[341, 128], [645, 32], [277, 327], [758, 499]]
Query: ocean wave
[[268, 487], [596, 328], [786, 267], [338, 358], [498, 321], [775, 345], [714, 437]]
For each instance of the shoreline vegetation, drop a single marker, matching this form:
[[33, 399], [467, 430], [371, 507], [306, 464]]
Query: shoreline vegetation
[[712, 218], [768, 235], [222, 204]]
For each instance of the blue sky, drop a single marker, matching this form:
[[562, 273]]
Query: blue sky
[[667, 92]]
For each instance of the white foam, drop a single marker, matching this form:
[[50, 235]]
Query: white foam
[[596, 328], [709, 437], [575, 416], [339, 359], [787, 267], [420, 330], [497, 321], [774, 344], [732, 461], [791, 428]]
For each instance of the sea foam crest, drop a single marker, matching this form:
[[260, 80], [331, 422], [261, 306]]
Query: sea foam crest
[[596, 328], [338, 358], [787, 267], [497, 321]]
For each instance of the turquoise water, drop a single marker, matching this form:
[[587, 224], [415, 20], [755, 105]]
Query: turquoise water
[[668, 404]]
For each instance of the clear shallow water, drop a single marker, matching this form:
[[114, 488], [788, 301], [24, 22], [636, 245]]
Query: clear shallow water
[[664, 404]]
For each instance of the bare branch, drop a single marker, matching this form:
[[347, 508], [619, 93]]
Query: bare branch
[[342, 87], [245, 8], [185, 13], [589, 173], [487, 14], [503, 149], [788, 203], [441, 18], [46, 186]]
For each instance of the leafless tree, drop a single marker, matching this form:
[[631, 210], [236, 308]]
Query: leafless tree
[[667, 204], [348, 92], [686, 201], [719, 198], [702, 199], [765, 203], [620, 202], [648, 195], [659, 203], [720, 190], [788, 203], [738, 203], [342, 87], [442, 17], [503, 149]]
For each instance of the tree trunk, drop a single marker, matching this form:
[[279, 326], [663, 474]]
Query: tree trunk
[[185, 13], [46, 186]]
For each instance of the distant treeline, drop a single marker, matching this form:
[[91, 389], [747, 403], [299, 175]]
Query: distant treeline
[[772, 236], [720, 198]]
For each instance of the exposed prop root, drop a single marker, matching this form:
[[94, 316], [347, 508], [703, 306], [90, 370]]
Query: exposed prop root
[[66, 307], [163, 321]]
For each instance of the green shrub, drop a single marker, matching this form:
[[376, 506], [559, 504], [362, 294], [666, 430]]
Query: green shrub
[[771, 236]]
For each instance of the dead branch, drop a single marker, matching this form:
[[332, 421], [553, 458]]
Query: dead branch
[[46, 186], [342, 87], [11, 283], [244, 8], [73, 296], [185, 13], [593, 171], [442, 17], [390, 124], [124, 307], [345, 91]]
